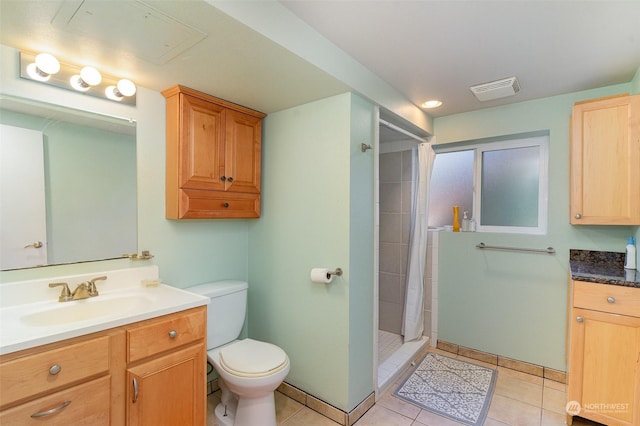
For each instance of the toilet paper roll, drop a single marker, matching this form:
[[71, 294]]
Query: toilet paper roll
[[321, 275]]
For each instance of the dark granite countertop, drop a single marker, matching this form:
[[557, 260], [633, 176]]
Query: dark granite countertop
[[604, 267]]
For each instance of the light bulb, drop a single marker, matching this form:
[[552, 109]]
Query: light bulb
[[91, 76], [88, 77], [37, 74], [126, 87], [112, 93], [78, 84], [47, 63], [432, 104]]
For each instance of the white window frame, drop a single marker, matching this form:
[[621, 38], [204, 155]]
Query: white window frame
[[542, 142]]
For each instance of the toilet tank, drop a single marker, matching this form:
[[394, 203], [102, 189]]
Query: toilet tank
[[226, 310]]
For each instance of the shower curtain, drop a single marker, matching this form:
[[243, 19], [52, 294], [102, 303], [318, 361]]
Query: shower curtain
[[413, 321]]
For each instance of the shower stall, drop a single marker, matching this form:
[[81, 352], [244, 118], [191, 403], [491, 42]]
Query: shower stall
[[398, 178]]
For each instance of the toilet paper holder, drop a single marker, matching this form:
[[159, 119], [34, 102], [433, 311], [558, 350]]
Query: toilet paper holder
[[337, 272]]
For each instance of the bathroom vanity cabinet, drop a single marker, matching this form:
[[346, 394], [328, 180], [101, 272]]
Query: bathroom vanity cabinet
[[88, 380], [166, 371], [603, 352], [213, 157], [605, 161]]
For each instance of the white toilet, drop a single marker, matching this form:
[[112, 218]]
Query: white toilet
[[250, 370]]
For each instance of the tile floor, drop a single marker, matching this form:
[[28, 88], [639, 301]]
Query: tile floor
[[519, 399]]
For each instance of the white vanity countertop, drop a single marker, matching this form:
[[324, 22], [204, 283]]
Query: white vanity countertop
[[30, 314]]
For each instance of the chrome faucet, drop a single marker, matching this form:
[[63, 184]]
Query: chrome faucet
[[82, 291]]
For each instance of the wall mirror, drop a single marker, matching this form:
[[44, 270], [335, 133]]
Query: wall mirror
[[68, 188]]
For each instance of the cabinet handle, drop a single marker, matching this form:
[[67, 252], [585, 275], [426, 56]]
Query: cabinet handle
[[578, 216], [135, 390], [579, 319], [225, 205], [611, 299], [223, 178], [55, 369], [172, 334], [230, 179], [52, 411]]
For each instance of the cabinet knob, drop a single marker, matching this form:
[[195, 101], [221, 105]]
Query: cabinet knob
[[578, 216], [55, 369], [611, 299], [579, 319], [230, 179], [225, 205], [172, 334], [223, 178]]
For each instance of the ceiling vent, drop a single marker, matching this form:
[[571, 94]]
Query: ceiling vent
[[496, 89]]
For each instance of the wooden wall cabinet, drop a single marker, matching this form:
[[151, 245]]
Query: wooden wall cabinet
[[605, 161], [604, 352], [88, 380], [213, 157]]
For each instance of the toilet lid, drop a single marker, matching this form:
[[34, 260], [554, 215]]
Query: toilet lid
[[252, 358]]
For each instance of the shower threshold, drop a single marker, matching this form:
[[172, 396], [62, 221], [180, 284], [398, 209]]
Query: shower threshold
[[390, 368]]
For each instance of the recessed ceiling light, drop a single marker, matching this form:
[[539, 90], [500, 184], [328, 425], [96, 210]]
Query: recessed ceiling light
[[434, 103]]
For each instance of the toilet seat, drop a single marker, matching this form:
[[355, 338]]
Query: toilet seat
[[252, 358]]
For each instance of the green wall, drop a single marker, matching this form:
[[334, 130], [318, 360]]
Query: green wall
[[317, 211], [507, 303]]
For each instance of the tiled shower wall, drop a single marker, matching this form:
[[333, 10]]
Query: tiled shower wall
[[395, 215], [395, 208]]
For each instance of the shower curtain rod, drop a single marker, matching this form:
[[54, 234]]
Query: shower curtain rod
[[401, 130]]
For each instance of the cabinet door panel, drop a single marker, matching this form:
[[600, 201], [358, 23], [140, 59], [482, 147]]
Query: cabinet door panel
[[604, 366], [202, 161], [169, 390], [605, 162], [242, 152]]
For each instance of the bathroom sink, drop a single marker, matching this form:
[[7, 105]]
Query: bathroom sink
[[31, 315], [81, 310]]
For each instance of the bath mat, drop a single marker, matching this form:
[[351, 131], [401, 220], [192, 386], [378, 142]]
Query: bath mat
[[451, 388]]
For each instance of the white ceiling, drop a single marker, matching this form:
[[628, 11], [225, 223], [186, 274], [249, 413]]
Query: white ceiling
[[232, 62], [437, 49], [424, 48]]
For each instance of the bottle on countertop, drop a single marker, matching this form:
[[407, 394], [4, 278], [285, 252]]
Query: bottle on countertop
[[466, 223], [456, 219], [630, 255]]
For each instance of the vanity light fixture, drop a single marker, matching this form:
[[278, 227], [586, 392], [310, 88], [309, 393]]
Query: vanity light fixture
[[45, 68]]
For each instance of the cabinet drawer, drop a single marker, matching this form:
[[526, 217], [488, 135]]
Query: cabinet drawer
[[46, 371], [213, 204], [85, 404], [165, 334], [607, 298]]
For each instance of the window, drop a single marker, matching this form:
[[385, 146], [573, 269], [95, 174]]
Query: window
[[502, 184]]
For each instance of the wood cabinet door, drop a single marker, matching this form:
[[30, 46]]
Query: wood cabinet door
[[169, 390], [605, 162], [201, 149], [604, 366], [243, 152]]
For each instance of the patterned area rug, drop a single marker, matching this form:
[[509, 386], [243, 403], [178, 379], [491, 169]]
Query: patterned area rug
[[451, 388]]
